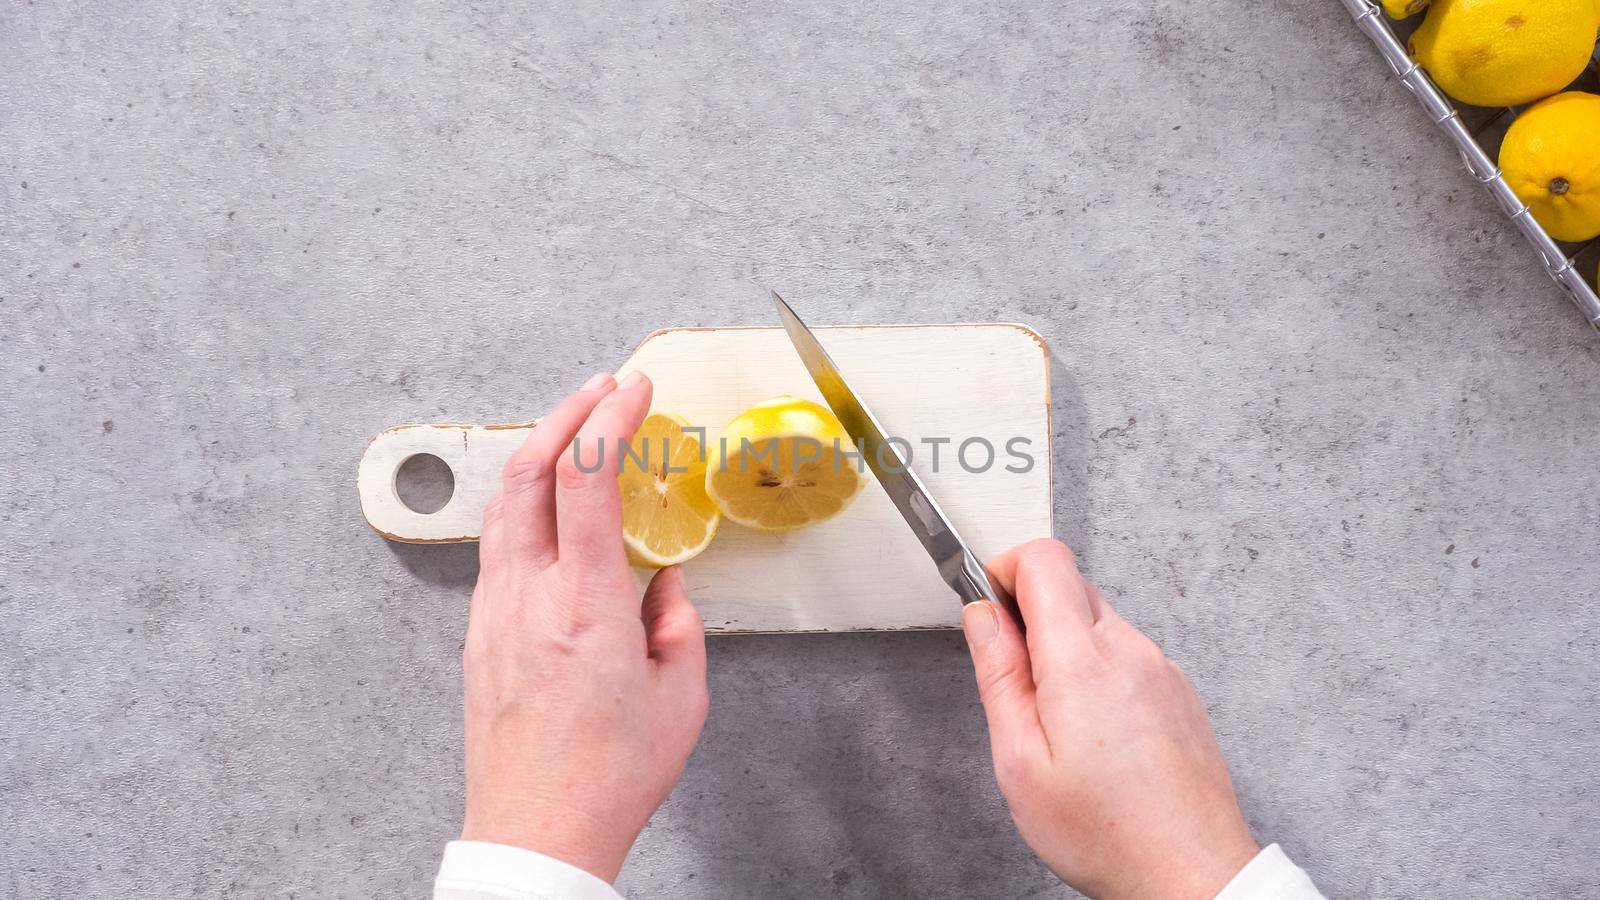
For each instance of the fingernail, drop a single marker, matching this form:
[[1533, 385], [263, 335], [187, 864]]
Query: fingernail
[[980, 621], [597, 381], [633, 380]]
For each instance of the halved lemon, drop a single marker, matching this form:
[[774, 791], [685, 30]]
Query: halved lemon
[[666, 516], [783, 465]]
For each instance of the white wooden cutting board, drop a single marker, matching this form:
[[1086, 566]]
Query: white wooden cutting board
[[862, 571]]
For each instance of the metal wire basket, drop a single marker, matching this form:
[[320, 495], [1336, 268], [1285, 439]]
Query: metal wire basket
[[1565, 262]]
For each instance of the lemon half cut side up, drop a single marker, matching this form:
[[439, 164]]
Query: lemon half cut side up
[[667, 518], [783, 465]]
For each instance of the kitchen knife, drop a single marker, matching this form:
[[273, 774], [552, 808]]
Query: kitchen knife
[[956, 562]]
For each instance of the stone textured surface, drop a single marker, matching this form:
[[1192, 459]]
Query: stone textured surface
[[1323, 427]]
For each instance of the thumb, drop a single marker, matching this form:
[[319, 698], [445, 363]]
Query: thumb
[[1005, 677], [673, 631]]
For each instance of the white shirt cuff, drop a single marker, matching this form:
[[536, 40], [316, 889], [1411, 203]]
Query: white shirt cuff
[[1270, 876], [476, 870]]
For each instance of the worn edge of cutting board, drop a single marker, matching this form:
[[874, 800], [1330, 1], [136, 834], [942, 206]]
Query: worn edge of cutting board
[[390, 448]]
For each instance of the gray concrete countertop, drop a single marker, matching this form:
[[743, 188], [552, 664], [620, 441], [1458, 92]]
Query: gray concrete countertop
[[1323, 427]]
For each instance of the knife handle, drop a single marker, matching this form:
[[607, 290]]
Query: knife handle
[[1009, 604], [974, 584]]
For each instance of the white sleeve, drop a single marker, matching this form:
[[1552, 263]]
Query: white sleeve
[[475, 870], [1270, 876]]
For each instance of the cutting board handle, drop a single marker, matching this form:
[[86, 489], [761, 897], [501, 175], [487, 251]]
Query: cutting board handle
[[475, 454]]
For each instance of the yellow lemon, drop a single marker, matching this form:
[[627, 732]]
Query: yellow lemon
[[666, 516], [1405, 9], [782, 465], [1506, 52], [1551, 158]]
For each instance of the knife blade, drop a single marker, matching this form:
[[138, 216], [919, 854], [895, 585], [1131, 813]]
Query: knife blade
[[957, 564]]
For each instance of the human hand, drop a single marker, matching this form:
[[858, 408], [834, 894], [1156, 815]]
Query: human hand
[[582, 702], [1101, 747]]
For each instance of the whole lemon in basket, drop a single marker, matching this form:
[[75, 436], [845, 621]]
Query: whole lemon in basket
[[1405, 9], [1506, 52], [783, 465], [1551, 158]]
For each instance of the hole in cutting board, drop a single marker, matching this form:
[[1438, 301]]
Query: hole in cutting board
[[424, 483]]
